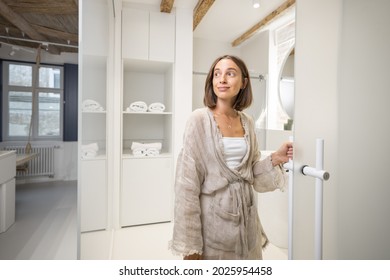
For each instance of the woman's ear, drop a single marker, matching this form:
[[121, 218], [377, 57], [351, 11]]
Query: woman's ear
[[244, 84]]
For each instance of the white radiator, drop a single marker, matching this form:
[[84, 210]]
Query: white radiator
[[42, 165]]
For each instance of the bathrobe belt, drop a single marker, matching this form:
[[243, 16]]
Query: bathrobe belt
[[240, 203]]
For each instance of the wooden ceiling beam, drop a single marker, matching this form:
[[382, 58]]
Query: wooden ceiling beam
[[200, 10], [73, 38], [166, 6], [267, 20], [23, 25]]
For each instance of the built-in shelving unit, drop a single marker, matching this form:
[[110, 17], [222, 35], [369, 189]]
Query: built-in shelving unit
[[144, 71], [146, 184]]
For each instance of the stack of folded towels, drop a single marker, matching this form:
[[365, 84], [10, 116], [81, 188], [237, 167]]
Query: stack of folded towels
[[156, 107], [146, 149], [140, 106], [90, 105], [89, 150]]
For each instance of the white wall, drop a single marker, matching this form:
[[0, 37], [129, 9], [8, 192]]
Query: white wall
[[340, 74], [65, 157], [183, 70]]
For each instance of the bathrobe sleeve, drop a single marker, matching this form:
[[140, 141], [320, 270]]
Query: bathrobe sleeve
[[187, 232], [266, 176]]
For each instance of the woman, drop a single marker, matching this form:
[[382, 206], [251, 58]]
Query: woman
[[218, 168]]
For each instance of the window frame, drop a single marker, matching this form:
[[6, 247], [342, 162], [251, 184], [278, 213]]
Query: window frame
[[6, 88]]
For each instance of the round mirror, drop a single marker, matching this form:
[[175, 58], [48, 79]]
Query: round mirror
[[286, 87]]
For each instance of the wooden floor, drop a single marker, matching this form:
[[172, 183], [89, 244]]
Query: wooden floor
[[46, 229]]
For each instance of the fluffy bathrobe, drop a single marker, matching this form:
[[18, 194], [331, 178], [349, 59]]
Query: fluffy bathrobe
[[215, 209]]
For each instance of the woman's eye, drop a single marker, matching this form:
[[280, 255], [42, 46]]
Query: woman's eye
[[231, 74], [216, 74]]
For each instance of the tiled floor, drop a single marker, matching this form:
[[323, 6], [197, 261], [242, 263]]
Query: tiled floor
[[46, 228]]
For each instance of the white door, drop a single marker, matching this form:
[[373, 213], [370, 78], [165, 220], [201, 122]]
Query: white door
[[341, 95]]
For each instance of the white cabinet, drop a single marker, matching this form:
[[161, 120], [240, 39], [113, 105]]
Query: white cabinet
[[146, 190], [148, 35], [94, 27], [7, 189], [93, 195], [147, 186], [94, 71], [133, 61], [162, 37], [135, 34], [147, 180]]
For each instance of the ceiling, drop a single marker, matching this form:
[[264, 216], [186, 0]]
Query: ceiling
[[56, 21], [227, 20], [53, 21]]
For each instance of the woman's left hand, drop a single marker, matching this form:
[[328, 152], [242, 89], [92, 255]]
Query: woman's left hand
[[283, 154]]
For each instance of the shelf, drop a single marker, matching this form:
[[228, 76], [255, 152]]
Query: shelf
[[127, 154], [94, 112], [147, 113], [98, 157]]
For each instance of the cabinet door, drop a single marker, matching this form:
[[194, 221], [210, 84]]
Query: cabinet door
[[135, 34], [94, 27], [93, 195], [7, 204], [146, 191], [162, 37]]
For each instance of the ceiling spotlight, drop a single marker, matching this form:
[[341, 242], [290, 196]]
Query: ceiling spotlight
[[256, 4]]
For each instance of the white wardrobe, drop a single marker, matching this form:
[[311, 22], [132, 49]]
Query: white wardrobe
[[127, 55]]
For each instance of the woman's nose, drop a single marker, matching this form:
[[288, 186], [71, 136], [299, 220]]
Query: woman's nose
[[222, 79]]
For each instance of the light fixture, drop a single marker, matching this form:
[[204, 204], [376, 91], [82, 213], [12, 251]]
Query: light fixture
[[256, 3]]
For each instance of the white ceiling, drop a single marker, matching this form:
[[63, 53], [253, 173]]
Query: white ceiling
[[227, 20]]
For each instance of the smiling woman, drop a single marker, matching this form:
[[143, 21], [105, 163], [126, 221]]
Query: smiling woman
[[215, 210]]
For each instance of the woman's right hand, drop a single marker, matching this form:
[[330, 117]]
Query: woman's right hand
[[193, 257]]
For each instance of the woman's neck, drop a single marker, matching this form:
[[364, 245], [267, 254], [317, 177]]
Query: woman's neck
[[225, 109]]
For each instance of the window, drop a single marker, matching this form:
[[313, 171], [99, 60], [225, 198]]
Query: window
[[32, 108]]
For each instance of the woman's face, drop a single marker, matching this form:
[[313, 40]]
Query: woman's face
[[227, 80]]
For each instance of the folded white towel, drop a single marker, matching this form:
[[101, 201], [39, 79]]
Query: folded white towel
[[152, 152], [146, 149], [155, 145], [138, 106], [89, 150], [90, 105], [139, 152], [88, 154], [156, 107]]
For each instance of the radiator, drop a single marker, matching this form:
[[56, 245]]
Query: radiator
[[42, 165]]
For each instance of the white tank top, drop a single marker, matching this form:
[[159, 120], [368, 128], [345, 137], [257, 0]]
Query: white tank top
[[235, 150]]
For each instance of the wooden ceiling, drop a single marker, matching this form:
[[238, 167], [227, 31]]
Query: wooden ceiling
[[34, 21], [30, 22]]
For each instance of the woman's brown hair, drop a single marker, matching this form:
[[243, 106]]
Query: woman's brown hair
[[244, 97]]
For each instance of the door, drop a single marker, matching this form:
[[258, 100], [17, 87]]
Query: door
[[341, 69]]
